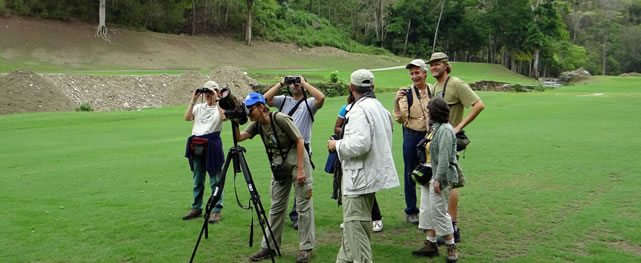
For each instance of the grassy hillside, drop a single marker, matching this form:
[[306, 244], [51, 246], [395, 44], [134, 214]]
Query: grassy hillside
[[552, 176]]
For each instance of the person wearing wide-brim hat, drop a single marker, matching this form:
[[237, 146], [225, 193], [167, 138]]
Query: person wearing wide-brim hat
[[458, 95], [285, 146]]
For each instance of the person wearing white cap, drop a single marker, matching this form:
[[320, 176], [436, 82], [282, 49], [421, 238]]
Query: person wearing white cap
[[204, 147], [365, 152], [290, 165], [410, 111], [458, 96]]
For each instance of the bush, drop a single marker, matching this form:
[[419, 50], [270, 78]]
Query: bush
[[333, 76], [3, 8], [85, 106]]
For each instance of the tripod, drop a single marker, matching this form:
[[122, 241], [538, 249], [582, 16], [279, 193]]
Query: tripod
[[236, 154]]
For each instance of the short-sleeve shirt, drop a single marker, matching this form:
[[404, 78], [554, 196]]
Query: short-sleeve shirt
[[206, 119], [287, 134], [301, 116], [343, 111], [459, 96]]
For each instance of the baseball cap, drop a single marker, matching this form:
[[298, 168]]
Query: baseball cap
[[211, 85], [362, 78], [417, 63], [437, 56], [253, 98]]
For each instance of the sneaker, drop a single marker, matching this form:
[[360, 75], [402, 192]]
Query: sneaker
[[342, 225], [193, 213], [428, 250], [295, 224], [413, 218], [263, 253], [377, 226], [304, 256], [215, 218], [452, 253]]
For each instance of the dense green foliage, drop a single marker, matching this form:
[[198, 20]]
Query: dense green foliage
[[531, 37]]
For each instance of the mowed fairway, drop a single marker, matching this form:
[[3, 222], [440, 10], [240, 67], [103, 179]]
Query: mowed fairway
[[552, 177]]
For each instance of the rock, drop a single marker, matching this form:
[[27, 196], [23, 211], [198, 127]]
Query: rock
[[574, 76]]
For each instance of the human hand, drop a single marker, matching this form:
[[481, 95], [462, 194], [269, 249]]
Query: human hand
[[331, 145], [437, 186], [300, 176], [399, 94]]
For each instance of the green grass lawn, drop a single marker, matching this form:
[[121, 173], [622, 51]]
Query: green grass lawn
[[552, 177], [396, 78]]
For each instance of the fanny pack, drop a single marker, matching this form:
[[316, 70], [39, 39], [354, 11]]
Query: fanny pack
[[461, 141], [198, 145]]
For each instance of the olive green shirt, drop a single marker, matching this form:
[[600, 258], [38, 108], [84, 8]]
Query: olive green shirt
[[459, 96], [287, 133]]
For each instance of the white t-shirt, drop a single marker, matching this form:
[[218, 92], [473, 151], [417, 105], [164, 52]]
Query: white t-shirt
[[206, 119], [301, 116]]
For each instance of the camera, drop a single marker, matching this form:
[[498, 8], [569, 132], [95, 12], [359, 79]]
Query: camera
[[234, 109], [203, 90], [291, 79], [279, 172]]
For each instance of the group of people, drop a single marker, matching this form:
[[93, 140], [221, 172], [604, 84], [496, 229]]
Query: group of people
[[363, 145]]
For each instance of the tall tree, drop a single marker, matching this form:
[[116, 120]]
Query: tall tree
[[101, 30], [248, 22]]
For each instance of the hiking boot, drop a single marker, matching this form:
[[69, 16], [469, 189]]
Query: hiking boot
[[452, 253], [193, 213], [377, 226], [430, 249], [215, 218], [263, 253], [413, 218], [304, 256]]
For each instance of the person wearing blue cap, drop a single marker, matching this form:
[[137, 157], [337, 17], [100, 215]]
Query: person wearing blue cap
[[290, 165], [365, 152]]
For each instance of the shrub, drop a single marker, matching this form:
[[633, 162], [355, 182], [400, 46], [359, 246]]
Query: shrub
[[3, 8], [85, 106], [333, 76]]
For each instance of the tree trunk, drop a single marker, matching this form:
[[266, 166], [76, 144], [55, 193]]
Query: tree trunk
[[101, 30], [604, 55], [535, 67], [437, 25], [193, 17], [407, 35], [248, 28]]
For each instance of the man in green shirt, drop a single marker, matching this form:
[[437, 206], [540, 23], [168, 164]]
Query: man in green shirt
[[458, 96]]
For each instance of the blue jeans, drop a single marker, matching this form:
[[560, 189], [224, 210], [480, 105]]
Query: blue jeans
[[410, 159], [199, 184]]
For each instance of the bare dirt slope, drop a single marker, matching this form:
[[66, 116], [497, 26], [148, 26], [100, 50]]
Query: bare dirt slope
[[29, 47], [27, 91]]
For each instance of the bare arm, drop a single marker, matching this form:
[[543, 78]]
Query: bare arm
[[474, 112], [399, 113], [272, 92], [189, 115], [241, 136], [317, 94], [338, 127]]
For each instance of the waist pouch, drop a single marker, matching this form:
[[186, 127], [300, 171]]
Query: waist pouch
[[198, 146]]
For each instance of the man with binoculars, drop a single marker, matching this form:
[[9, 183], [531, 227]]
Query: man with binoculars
[[302, 110]]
